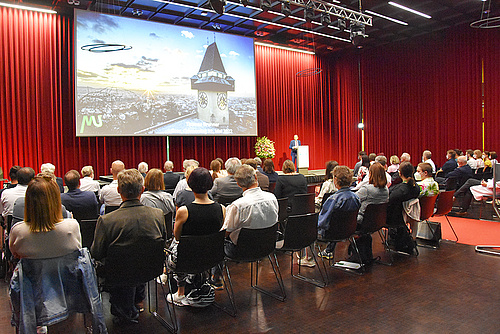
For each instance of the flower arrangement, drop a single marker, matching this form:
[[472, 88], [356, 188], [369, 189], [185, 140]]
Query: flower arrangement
[[264, 148]]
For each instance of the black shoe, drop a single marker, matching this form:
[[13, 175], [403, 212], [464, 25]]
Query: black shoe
[[216, 283], [119, 321]]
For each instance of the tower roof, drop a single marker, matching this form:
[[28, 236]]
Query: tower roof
[[212, 60]]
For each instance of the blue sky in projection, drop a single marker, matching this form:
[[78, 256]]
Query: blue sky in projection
[[163, 57]]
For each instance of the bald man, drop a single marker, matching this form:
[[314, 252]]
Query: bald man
[[109, 193]]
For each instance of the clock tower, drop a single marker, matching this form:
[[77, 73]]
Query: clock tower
[[212, 83]]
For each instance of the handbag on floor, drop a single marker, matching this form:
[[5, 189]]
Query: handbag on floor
[[428, 230]]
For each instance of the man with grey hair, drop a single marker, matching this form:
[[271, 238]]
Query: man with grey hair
[[381, 160], [226, 186], [426, 158], [259, 164], [128, 226], [182, 184], [256, 209], [50, 168], [109, 193], [169, 178], [457, 177], [405, 157], [87, 182]]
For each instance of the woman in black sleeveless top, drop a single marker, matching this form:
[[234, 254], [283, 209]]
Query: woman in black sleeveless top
[[201, 217]]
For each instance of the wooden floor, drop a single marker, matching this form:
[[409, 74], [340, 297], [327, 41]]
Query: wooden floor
[[449, 290]]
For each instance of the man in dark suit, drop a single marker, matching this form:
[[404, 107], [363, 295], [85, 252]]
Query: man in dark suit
[[83, 204], [128, 226], [169, 177], [460, 174], [227, 186], [294, 144]]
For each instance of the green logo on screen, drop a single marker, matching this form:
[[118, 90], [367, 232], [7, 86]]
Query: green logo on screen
[[89, 120]]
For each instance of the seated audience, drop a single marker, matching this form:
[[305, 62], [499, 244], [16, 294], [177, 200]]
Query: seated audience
[[448, 166], [201, 217], [182, 184], [13, 179], [393, 168], [405, 157], [82, 204], [186, 195], [170, 178], [261, 178], [109, 193], [358, 164], [382, 160], [87, 182], [227, 186], [493, 158], [155, 196], [426, 157], [363, 168], [9, 196], [402, 192], [215, 169], [343, 200], [478, 157], [259, 163], [459, 175], [256, 209], [372, 157], [470, 160], [44, 233], [375, 192], [328, 185], [223, 172], [428, 187], [143, 168], [268, 170], [474, 189], [486, 159], [129, 226], [50, 168], [290, 183]]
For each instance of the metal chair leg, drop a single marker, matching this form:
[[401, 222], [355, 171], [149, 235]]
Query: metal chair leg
[[230, 292], [307, 279], [277, 274], [172, 327], [488, 249], [451, 226]]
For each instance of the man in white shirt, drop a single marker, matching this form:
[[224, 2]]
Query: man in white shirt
[[87, 182], [426, 158], [9, 196], [256, 209], [109, 193]]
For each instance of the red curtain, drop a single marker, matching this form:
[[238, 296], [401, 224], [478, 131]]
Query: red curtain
[[422, 94]]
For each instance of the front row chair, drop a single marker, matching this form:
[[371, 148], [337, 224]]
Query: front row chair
[[254, 245], [197, 254], [301, 232], [444, 206], [427, 204]]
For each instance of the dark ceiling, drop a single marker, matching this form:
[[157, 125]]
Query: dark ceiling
[[273, 27]]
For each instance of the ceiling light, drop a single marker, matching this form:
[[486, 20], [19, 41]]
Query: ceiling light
[[265, 5], [361, 125], [326, 19], [386, 17], [309, 11], [285, 8], [409, 9], [342, 24], [357, 34], [218, 6], [284, 48], [35, 9]]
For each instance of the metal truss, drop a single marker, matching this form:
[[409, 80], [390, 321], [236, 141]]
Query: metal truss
[[339, 11]]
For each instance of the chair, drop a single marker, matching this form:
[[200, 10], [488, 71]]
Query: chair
[[45, 291], [272, 186], [325, 197], [87, 230], [302, 204], [254, 245], [110, 208], [444, 206], [170, 191], [492, 249], [282, 212], [226, 200], [197, 254], [301, 232], [374, 219], [169, 225], [426, 211], [342, 227]]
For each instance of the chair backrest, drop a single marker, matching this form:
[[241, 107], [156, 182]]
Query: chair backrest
[[325, 197], [496, 178], [444, 203], [342, 225], [169, 225], [427, 206], [282, 209], [374, 218], [170, 191], [451, 183], [110, 208], [226, 200], [87, 230], [255, 244], [198, 253], [272, 186], [301, 231], [302, 204], [134, 264]]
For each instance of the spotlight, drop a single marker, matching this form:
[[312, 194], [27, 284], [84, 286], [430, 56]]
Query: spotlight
[[309, 11], [265, 5], [136, 12], [326, 20], [361, 126], [342, 24], [285, 8], [357, 34], [244, 2], [218, 6]]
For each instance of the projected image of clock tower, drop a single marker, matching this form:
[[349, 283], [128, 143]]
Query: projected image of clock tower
[[213, 83]]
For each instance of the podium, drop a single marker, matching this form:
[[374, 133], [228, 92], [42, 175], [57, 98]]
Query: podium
[[303, 159]]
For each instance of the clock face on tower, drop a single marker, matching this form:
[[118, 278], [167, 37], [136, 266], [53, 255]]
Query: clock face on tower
[[221, 101], [203, 99]]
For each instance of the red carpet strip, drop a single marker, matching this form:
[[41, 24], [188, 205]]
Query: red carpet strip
[[470, 231]]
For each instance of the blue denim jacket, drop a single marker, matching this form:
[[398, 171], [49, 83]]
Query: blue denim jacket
[[45, 291], [343, 200]]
